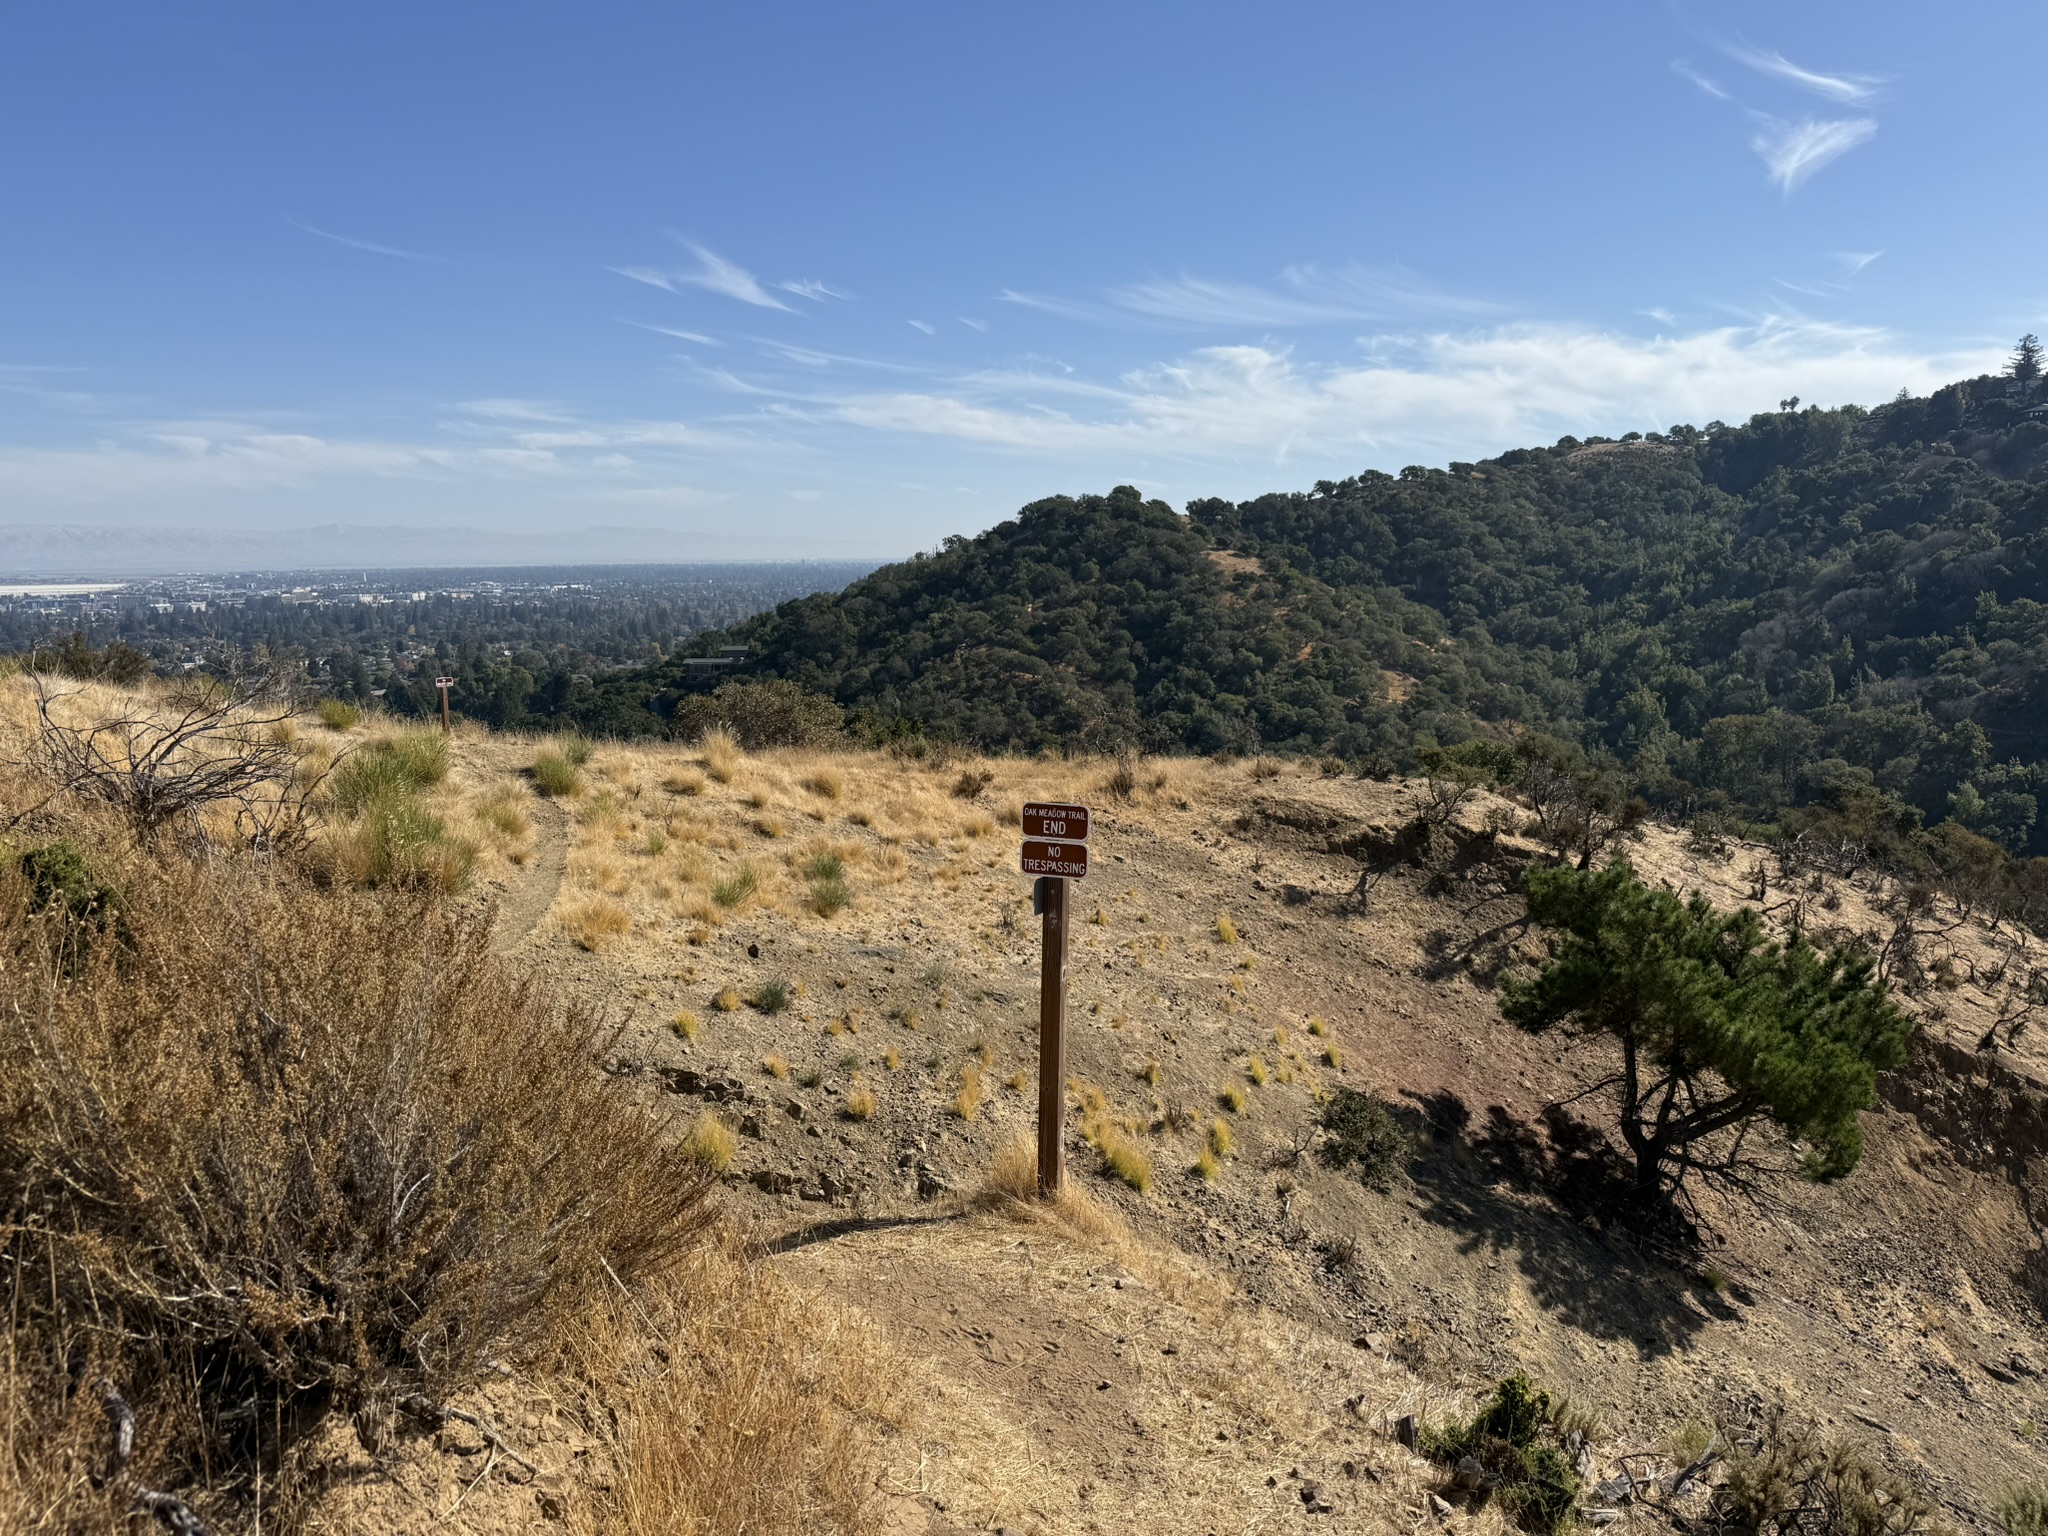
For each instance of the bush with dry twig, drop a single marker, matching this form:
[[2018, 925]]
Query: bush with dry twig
[[279, 1150]]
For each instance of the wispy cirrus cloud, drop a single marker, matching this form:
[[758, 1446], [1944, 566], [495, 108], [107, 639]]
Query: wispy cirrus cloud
[[811, 288], [372, 246], [1304, 296], [1793, 149], [668, 330], [508, 408], [713, 273], [1793, 152], [1854, 262], [1713, 88], [1850, 90]]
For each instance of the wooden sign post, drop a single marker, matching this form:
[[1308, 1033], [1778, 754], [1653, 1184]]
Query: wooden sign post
[[1055, 850], [444, 684]]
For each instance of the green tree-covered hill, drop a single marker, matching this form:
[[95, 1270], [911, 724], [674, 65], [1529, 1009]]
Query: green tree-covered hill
[[1815, 606]]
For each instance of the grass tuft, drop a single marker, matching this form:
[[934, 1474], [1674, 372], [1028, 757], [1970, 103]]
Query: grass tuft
[[686, 1024], [554, 775], [709, 1143], [1220, 1140], [860, 1104], [1232, 1098], [774, 1065], [772, 997], [727, 1000], [596, 922], [737, 888], [335, 715], [969, 1098], [720, 754], [1226, 931]]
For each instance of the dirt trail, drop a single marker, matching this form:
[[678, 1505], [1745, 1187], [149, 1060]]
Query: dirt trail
[[1097, 1386], [527, 901]]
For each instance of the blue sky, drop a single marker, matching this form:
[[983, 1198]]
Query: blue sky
[[829, 280]]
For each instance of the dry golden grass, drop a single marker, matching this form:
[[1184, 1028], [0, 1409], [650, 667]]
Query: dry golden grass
[[765, 1412], [774, 1065], [860, 1104], [709, 1142], [594, 922], [1226, 931], [971, 1092], [720, 754]]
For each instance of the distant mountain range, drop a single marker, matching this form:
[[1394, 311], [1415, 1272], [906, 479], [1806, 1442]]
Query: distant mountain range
[[82, 552]]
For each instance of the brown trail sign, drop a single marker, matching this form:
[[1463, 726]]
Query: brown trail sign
[[1055, 850]]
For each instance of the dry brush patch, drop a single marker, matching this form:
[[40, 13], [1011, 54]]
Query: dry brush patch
[[765, 1409], [272, 1150]]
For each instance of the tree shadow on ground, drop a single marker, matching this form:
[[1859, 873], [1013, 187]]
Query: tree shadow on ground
[[1555, 1199]]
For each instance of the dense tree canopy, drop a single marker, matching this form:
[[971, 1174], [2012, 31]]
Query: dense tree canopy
[[1819, 608]]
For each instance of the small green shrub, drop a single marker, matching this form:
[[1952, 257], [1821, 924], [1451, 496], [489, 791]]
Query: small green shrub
[[554, 775], [404, 765], [824, 866], [397, 842], [829, 897], [335, 715], [736, 889], [1787, 1477], [1513, 1439], [773, 997], [60, 876], [1360, 1132], [2024, 1511], [574, 748]]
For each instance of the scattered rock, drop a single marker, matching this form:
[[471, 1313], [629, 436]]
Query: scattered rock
[[1404, 1430], [1472, 1477], [1600, 1517], [551, 1494], [1440, 1507], [1313, 1496], [772, 1181], [794, 1108], [750, 1125], [1616, 1490]]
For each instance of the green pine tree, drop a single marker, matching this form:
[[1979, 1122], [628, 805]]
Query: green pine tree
[[1718, 1026], [2025, 365]]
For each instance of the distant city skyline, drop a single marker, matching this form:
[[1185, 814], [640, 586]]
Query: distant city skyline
[[838, 282]]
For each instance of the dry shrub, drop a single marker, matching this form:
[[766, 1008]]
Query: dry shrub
[[764, 1412], [307, 1149], [828, 783]]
